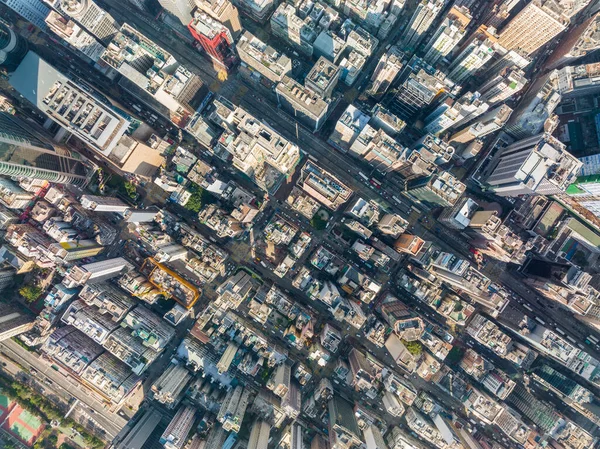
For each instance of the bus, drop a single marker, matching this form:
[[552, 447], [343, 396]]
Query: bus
[[312, 158], [593, 339], [560, 331], [527, 307], [542, 322], [363, 176]]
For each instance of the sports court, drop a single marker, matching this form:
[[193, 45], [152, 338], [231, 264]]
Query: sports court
[[18, 422]]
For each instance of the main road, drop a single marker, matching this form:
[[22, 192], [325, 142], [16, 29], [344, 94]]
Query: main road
[[343, 166], [64, 387]]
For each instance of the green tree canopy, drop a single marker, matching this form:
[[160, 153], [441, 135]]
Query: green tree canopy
[[318, 223], [414, 347], [30, 292], [195, 202]]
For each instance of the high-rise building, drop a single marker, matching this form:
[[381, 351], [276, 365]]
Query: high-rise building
[[88, 15], [534, 165], [223, 11], [154, 76], [438, 190], [168, 388], [499, 12], [347, 128], [7, 277], [33, 11], [297, 31], [374, 438], [384, 120], [351, 66], [387, 70], [343, 428], [421, 86], [76, 109], [22, 154], [538, 23], [535, 111], [13, 47], [409, 243], [486, 124], [215, 39], [423, 17], [322, 78], [182, 9], [227, 357], [96, 272], [233, 409], [258, 151], [259, 435], [541, 414], [176, 433], [471, 59], [263, 58], [258, 10], [578, 42], [448, 35], [103, 203], [303, 103], [74, 35], [13, 196], [585, 191], [323, 186], [507, 83], [141, 431], [75, 250], [503, 60], [454, 113], [14, 320], [379, 149], [580, 80]]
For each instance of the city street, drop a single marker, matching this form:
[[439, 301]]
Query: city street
[[64, 386]]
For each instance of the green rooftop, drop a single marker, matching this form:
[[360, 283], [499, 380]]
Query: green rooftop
[[587, 233]]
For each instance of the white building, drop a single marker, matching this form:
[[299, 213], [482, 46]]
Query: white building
[[538, 164], [80, 112], [88, 15]]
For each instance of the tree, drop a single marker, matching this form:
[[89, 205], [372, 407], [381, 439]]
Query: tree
[[318, 223], [454, 356], [51, 440], [30, 292], [195, 202], [131, 190], [414, 347]]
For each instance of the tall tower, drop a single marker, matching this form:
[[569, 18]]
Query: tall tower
[[89, 16], [33, 11], [424, 15], [224, 12], [215, 39], [534, 165], [471, 59], [538, 23], [23, 154], [387, 70], [182, 9], [448, 35], [76, 109], [13, 47], [499, 12]]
